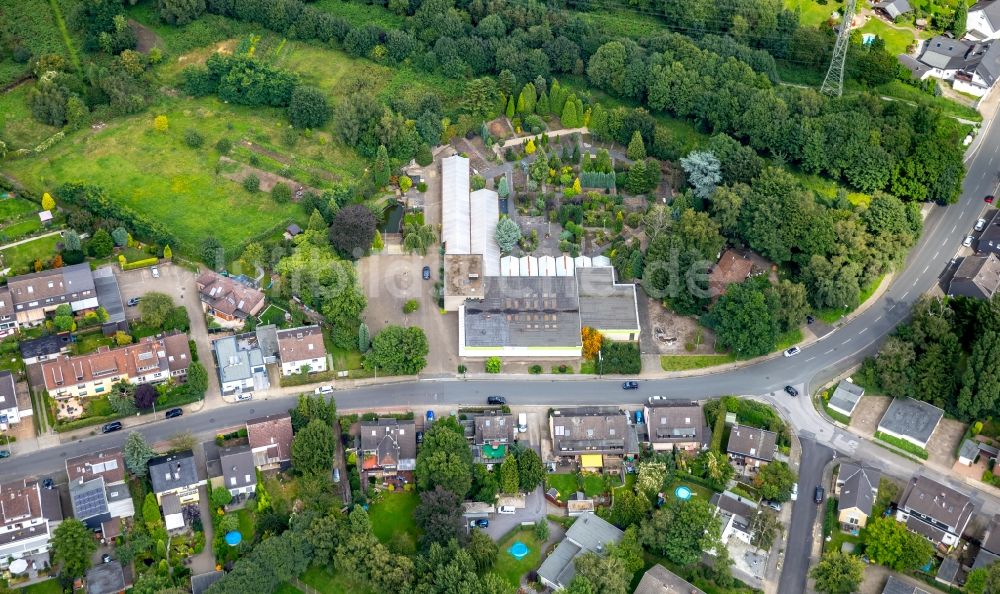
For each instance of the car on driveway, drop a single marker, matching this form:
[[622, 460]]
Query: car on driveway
[[430, 416], [792, 351], [980, 224], [427, 273], [155, 272], [479, 523], [968, 241], [791, 391], [134, 301], [173, 413], [988, 199], [111, 427], [818, 495], [772, 504], [244, 397], [506, 509], [630, 385]]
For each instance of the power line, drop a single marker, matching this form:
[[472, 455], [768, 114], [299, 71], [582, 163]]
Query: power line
[[833, 84]]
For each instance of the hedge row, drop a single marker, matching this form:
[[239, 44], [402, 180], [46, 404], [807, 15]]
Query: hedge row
[[140, 263], [95, 199], [902, 444]]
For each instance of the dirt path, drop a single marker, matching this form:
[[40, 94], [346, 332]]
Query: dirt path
[[286, 161], [146, 39], [267, 179]]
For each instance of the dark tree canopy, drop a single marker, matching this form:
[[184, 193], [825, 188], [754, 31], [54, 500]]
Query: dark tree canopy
[[353, 230]]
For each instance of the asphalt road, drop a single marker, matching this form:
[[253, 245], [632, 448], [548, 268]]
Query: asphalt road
[[800, 532]]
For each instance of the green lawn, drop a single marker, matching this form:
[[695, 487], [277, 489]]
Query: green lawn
[[46, 587], [21, 229], [896, 41], [247, 523], [43, 248], [17, 128], [832, 315], [698, 490], [287, 589], [566, 484], [511, 569], [812, 13], [272, 315], [344, 359], [394, 514], [16, 208], [91, 342], [792, 337], [327, 583], [686, 362], [358, 14]]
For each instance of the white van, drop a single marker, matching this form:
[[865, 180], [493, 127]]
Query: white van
[[506, 509], [522, 422]]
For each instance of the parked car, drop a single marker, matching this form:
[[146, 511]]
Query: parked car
[[630, 385], [244, 397], [818, 495], [791, 391], [323, 390], [795, 491], [980, 224], [654, 399], [968, 241], [336, 475], [430, 416], [506, 509], [772, 504], [155, 272], [134, 301], [988, 199], [111, 427], [47, 483], [496, 400], [792, 351], [105, 558], [522, 422], [427, 273], [174, 413], [638, 417], [479, 523], [420, 437], [4, 453]]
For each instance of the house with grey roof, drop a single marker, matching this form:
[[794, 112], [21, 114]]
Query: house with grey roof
[[241, 364], [897, 585], [735, 514], [947, 572], [588, 534], [675, 425], [34, 295], [935, 511], [977, 277], [971, 66], [239, 474], [989, 549], [595, 437], [45, 348], [106, 578], [175, 482], [493, 435], [972, 449], [893, 9], [15, 402], [749, 448], [910, 419], [983, 21], [388, 447], [659, 580], [846, 397], [856, 488]]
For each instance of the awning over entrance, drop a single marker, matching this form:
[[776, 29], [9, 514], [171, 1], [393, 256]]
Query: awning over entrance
[[592, 461]]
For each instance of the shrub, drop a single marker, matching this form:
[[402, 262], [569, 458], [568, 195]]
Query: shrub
[[424, 156], [411, 306], [308, 107], [140, 264], [193, 138], [535, 369], [281, 193], [224, 145], [251, 183], [493, 365], [422, 187]]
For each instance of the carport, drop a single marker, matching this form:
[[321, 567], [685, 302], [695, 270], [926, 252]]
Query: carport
[[110, 298]]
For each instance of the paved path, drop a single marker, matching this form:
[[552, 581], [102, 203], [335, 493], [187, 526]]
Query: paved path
[[30, 239]]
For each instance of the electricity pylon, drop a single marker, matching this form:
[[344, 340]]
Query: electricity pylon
[[833, 84]]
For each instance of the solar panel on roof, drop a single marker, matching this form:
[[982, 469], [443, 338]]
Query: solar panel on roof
[[90, 502]]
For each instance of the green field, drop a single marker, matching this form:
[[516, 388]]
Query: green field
[[812, 13], [357, 13], [21, 229], [896, 41], [327, 583], [393, 514], [699, 491], [17, 128], [35, 28], [47, 587], [16, 208], [43, 248], [512, 569]]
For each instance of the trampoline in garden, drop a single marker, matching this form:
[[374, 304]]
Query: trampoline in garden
[[682, 492], [518, 550], [233, 538]]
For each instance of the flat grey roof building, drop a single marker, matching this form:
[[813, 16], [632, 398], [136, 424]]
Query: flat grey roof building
[[846, 397], [911, 419], [517, 311], [605, 305], [896, 585], [589, 533], [106, 578], [109, 295]]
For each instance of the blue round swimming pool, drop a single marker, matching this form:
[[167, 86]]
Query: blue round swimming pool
[[233, 538], [682, 492], [518, 550]]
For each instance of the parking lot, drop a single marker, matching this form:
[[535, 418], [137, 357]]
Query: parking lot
[[179, 283]]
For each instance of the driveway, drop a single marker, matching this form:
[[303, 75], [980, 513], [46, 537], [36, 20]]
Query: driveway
[[179, 283], [389, 281], [535, 509]]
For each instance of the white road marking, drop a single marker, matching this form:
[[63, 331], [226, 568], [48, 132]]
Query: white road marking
[[828, 352], [892, 306], [810, 359], [953, 228], [863, 330], [878, 318], [945, 241], [904, 295], [925, 268], [915, 282], [936, 254], [847, 341]]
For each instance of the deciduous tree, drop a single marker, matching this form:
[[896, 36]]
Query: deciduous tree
[[155, 307], [838, 573], [889, 543], [308, 107], [592, 340], [72, 546], [398, 351], [352, 230], [137, 453], [444, 458]]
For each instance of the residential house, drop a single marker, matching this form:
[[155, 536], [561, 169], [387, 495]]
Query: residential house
[[301, 349], [175, 482], [733, 267], [658, 580], [34, 295], [935, 511], [593, 437], [388, 448], [226, 299], [239, 474], [910, 419], [750, 448], [14, 403], [892, 9], [845, 397], [98, 492], [735, 514], [578, 504], [896, 585], [493, 435], [977, 277], [270, 440], [588, 534], [45, 348], [109, 296], [856, 488], [8, 319], [989, 550], [29, 515], [152, 360], [971, 66], [241, 365], [983, 21], [106, 578], [989, 239], [675, 425], [971, 449]]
